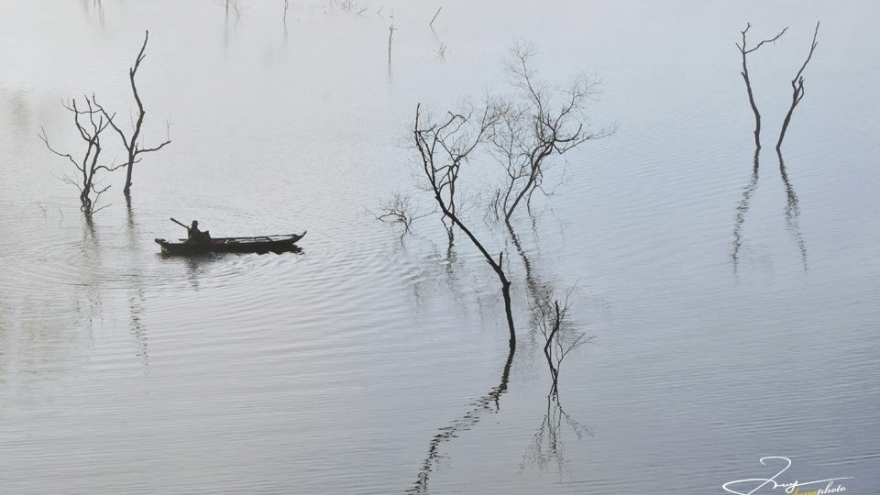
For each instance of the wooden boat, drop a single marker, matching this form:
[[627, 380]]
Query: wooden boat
[[263, 244]]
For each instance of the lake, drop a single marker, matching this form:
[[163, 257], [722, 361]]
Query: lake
[[732, 298]]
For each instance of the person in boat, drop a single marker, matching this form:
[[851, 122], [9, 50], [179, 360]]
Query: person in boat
[[197, 236], [194, 231]]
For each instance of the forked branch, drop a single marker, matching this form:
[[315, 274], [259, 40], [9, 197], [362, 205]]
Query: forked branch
[[443, 147], [559, 340], [132, 144], [797, 86], [90, 123], [538, 122], [745, 74]]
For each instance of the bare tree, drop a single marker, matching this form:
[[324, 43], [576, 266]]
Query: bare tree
[[132, 143], [357, 6], [559, 341], [797, 86], [431, 24], [90, 123], [745, 74], [521, 132], [443, 147], [538, 122], [399, 211]]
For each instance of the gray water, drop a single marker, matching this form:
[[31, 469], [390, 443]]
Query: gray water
[[734, 314]]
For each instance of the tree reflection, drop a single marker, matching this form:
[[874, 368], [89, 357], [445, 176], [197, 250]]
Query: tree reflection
[[232, 10], [137, 298], [487, 403], [521, 132], [792, 213], [548, 444], [741, 211], [93, 8], [90, 278], [548, 317], [792, 210]]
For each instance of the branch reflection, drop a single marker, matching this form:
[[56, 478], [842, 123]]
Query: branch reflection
[[792, 213], [487, 403], [89, 280], [137, 298], [548, 446], [540, 293], [741, 211]]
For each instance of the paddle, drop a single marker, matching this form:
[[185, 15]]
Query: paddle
[[181, 224]]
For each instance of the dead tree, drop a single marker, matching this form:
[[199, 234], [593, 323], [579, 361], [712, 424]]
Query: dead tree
[[90, 123], [132, 142], [399, 211], [558, 340], [534, 124], [797, 86], [745, 74], [443, 147]]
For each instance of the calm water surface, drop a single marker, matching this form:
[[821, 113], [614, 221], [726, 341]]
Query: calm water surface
[[734, 312]]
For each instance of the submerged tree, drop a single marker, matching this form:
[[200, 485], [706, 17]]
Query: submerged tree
[[399, 210], [797, 84], [520, 131], [523, 130], [90, 124], [745, 74], [559, 341], [792, 211], [534, 124], [443, 147], [132, 143]]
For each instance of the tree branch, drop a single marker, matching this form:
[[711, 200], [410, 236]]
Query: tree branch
[[797, 86], [745, 75]]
